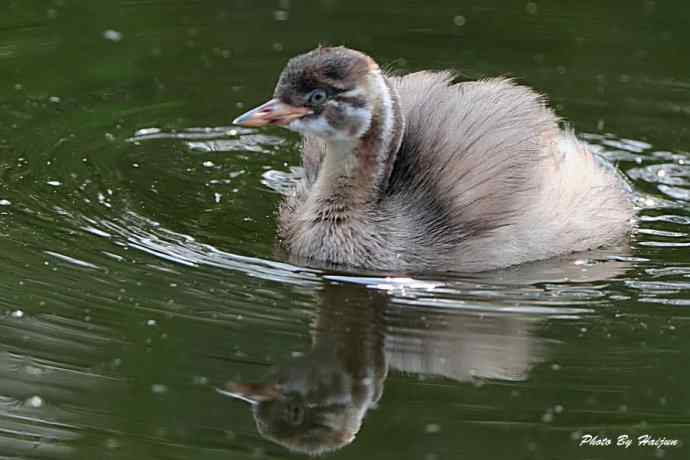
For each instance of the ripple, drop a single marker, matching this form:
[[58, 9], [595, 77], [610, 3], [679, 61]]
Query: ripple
[[651, 202], [451, 304], [630, 145], [280, 181], [675, 192], [658, 285], [668, 271], [671, 179], [650, 231], [664, 244], [213, 139], [72, 260], [671, 219], [138, 232], [668, 174]]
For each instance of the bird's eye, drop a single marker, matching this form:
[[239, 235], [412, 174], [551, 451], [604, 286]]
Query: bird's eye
[[317, 97], [293, 414]]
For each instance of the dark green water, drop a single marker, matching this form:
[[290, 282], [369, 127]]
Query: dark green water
[[137, 266]]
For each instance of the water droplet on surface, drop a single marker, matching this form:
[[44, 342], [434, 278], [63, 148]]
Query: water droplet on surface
[[280, 15], [432, 428], [33, 370], [34, 401], [112, 443], [159, 388], [112, 35]]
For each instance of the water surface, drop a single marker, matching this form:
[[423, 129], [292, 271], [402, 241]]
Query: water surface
[[138, 269]]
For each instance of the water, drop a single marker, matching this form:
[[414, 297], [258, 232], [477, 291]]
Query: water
[[139, 272]]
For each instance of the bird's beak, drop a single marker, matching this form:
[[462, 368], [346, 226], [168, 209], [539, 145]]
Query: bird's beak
[[253, 393], [273, 112]]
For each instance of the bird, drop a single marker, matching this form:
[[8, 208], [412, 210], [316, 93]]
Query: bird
[[422, 172]]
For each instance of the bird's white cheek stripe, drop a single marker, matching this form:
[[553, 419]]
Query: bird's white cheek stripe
[[386, 110], [363, 117]]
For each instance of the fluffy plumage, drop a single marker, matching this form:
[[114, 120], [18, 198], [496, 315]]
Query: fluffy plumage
[[465, 177]]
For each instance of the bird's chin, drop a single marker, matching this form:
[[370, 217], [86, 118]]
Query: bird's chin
[[318, 127], [312, 126]]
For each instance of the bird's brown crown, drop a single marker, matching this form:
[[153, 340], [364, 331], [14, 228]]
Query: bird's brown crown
[[334, 69]]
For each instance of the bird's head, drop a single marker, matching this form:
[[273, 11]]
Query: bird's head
[[311, 420], [330, 92]]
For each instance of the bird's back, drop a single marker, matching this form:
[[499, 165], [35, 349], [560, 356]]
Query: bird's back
[[492, 180]]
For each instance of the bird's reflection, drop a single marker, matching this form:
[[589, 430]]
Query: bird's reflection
[[316, 403]]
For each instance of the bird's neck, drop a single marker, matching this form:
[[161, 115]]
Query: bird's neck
[[354, 173]]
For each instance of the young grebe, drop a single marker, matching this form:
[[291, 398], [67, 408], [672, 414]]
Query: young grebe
[[416, 172]]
